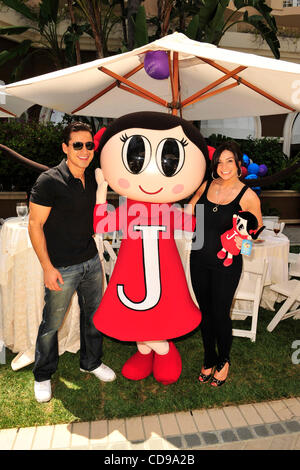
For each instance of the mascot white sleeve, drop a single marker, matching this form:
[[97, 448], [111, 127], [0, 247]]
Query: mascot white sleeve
[[153, 159]]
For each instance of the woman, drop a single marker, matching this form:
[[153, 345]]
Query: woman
[[213, 282]]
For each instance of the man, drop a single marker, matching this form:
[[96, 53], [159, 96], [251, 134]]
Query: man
[[61, 231]]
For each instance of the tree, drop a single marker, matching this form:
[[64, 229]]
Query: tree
[[75, 43], [210, 24], [132, 10], [210, 20], [101, 17], [43, 21]]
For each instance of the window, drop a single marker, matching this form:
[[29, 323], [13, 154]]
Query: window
[[291, 3]]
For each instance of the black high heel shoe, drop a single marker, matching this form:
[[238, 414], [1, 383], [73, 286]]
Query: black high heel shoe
[[203, 378], [216, 382]]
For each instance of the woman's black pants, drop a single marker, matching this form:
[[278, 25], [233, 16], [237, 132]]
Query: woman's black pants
[[214, 289]]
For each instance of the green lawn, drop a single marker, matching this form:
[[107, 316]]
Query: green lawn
[[260, 371]]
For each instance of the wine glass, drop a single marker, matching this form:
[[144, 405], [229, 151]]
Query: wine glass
[[22, 211], [276, 228]]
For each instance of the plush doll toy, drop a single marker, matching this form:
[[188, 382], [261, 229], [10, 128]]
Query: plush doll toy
[[153, 159], [245, 226]]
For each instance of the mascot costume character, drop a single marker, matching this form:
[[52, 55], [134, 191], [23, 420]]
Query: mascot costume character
[[153, 159]]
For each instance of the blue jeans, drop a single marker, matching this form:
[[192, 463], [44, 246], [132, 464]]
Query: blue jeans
[[86, 279]]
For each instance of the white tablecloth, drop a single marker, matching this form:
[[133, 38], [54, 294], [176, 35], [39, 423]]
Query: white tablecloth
[[22, 296], [274, 249]]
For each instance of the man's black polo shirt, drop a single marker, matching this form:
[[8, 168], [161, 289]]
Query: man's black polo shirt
[[69, 227]]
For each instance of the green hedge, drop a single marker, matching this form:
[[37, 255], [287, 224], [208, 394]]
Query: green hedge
[[42, 143], [33, 140], [267, 151]]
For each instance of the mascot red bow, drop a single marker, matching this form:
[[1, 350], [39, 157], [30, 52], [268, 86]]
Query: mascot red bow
[[153, 159]]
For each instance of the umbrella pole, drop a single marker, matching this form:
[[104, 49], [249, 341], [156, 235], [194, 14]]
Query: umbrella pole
[[174, 75]]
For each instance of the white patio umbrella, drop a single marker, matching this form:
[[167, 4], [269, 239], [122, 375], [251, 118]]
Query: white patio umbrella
[[206, 82], [11, 106]]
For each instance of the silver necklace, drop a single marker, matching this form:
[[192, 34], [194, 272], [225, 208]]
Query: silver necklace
[[216, 207]]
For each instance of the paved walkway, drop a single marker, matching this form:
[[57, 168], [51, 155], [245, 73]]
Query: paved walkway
[[273, 425]]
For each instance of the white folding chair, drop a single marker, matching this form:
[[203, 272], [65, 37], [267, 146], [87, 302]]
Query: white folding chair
[[107, 264], [248, 293], [116, 239], [183, 242], [294, 265], [110, 263], [291, 291]]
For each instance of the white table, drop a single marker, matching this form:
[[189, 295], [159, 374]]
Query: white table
[[274, 248], [22, 297]]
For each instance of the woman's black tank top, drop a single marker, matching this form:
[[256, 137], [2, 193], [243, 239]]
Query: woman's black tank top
[[215, 224]]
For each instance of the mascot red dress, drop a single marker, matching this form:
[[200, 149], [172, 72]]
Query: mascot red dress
[[153, 159]]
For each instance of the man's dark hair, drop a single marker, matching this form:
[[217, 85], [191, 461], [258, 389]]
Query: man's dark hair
[[75, 126]]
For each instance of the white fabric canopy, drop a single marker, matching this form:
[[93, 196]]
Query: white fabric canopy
[[10, 106], [68, 89]]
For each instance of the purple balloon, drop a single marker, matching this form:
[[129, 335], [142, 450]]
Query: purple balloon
[[156, 64], [263, 170]]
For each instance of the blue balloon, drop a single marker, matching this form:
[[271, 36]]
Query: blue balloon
[[252, 176], [257, 189], [253, 168], [246, 159]]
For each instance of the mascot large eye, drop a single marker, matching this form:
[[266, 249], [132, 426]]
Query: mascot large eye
[[170, 156], [136, 153]]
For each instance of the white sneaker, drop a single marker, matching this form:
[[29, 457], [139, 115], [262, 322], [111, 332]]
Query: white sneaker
[[103, 372], [42, 391]]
